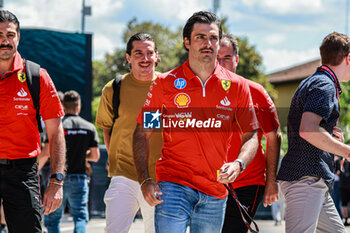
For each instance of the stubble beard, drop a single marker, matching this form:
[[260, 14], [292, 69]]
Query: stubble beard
[[207, 58], [6, 55]]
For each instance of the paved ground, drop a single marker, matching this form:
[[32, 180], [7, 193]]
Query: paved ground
[[97, 226]]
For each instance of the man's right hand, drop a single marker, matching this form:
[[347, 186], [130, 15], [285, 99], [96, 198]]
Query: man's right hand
[[151, 193]]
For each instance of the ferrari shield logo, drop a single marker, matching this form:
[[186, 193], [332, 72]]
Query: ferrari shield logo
[[22, 77], [226, 84]]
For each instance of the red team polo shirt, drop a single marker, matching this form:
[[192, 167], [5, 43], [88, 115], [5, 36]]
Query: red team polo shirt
[[19, 134], [266, 113], [197, 121]]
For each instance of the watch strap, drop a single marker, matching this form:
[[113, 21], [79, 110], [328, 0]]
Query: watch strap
[[57, 176], [241, 164]]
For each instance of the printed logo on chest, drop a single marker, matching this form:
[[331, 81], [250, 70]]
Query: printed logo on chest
[[226, 84], [180, 83], [182, 100]]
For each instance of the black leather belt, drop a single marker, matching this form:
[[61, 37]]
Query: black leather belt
[[17, 161]]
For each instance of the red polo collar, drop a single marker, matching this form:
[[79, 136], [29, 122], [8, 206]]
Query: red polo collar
[[190, 75]]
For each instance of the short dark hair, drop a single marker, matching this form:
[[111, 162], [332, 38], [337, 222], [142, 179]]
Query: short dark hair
[[334, 48], [140, 36], [233, 41], [7, 16], [205, 17], [71, 99]]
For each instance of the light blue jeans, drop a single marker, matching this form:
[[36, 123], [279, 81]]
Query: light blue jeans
[[75, 194], [183, 206]]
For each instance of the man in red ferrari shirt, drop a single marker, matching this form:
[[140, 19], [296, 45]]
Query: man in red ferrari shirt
[[19, 136], [252, 185], [197, 105]]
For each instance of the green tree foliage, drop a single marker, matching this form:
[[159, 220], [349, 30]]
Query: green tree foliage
[[344, 121], [107, 69], [94, 107], [344, 104], [250, 65], [250, 62]]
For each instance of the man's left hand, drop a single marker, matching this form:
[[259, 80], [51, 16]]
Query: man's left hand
[[52, 198], [338, 134], [271, 193]]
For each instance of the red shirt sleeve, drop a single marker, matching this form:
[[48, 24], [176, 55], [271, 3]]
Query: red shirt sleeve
[[265, 108], [245, 113], [153, 100], [50, 104]]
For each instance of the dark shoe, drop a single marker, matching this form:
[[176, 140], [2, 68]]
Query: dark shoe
[[277, 223]]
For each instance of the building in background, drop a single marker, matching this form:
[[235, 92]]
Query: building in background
[[286, 82]]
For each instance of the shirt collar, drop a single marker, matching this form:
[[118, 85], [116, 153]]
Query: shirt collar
[[187, 71], [155, 75], [190, 75], [330, 73], [17, 63]]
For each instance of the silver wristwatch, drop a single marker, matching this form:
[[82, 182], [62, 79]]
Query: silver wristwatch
[[241, 164]]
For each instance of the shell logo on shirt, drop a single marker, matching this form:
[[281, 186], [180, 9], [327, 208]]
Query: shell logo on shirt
[[226, 84], [21, 77], [182, 100]]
